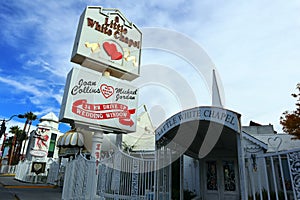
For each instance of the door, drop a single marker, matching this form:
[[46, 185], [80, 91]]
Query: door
[[221, 180]]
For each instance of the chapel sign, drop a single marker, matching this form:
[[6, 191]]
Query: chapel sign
[[94, 99], [106, 39], [228, 118]]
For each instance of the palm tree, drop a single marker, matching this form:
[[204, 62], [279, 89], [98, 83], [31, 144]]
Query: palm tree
[[30, 116], [18, 137]]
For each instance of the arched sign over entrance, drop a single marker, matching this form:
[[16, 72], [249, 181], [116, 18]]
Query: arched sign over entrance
[[226, 117], [197, 129]]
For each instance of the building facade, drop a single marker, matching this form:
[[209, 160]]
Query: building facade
[[245, 162]]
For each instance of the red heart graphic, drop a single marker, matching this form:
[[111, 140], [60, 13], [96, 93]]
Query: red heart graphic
[[112, 51], [106, 90]]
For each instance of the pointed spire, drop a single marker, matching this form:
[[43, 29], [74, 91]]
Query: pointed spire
[[216, 98]]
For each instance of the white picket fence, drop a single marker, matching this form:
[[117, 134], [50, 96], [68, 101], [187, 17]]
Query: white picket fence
[[53, 173], [119, 177], [23, 170], [78, 174], [7, 169]]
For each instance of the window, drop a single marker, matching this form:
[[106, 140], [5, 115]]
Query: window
[[211, 175], [52, 145], [229, 176]]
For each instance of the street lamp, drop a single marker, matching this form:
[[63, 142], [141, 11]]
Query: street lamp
[[2, 132], [3, 127]]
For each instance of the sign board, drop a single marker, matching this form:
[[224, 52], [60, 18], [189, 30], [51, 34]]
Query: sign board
[[38, 167], [93, 99], [219, 115], [105, 39], [38, 153]]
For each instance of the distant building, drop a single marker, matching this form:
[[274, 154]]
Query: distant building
[[143, 139], [42, 141], [41, 150]]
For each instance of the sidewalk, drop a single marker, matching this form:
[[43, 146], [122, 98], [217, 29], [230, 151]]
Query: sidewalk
[[11, 188], [6, 194]]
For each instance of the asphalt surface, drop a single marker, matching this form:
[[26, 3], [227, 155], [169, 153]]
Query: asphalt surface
[[12, 189]]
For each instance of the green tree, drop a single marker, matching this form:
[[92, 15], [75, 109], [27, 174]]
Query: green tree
[[18, 137], [30, 117], [290, 120]]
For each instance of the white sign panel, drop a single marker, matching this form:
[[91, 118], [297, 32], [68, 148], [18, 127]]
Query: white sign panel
[[215, 114], [94, 99], [106, 39], [38, 153]]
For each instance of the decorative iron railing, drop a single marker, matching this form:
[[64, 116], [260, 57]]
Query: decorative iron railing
[[273, 175]]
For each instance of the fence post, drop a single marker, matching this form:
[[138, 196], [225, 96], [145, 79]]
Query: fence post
[[134, 180], [96, 154], [68, 181]]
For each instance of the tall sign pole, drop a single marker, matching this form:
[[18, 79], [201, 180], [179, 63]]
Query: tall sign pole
[[98, 97]]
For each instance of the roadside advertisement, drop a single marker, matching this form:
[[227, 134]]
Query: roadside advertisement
[[106, 39], [40, 148], [98, 100]]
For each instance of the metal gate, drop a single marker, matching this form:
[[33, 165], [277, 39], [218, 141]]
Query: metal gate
[[125, 176], [273, 175]]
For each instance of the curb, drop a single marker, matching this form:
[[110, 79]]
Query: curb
[[7, 175], [29, 186], [24, 185]]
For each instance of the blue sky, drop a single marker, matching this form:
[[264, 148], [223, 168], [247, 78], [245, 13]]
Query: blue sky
[[254, 45]]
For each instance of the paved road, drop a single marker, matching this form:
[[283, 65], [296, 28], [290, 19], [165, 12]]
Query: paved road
[[11, 189]]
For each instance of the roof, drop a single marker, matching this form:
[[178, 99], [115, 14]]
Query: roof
[[255, 140], [50, 117], [44, 124], [279, 142], [274, 141], [144, 138]]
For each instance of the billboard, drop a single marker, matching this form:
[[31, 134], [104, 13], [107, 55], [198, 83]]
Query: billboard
[[97, 100], [105, 39]]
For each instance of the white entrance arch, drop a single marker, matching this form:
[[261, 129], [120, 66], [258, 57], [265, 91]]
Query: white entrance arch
[[220, 157]]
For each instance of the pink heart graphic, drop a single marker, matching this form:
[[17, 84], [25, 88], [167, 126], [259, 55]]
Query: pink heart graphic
[[112, 51], [106, 90]]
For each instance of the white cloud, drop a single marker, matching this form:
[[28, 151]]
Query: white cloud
[[47, 109], [20, 86], [52, 27], [254, 46], [36, 90]]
